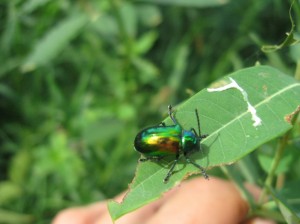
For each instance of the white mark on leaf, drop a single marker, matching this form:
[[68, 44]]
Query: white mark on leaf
[[233, 84]]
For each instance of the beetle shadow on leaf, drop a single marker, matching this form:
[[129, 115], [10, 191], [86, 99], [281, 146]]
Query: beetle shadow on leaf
[[203, 153], [206, 148], [195, 156], [165, 161]]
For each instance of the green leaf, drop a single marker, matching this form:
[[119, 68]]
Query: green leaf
[[266, 161], [190, 3], [54, 42], [288, 41], [102, 130], [129, 18], [9, 191], [288, 201], [31, 5], [149, 15], [145, 42], [10, 217], [232, 134], [147, 69]]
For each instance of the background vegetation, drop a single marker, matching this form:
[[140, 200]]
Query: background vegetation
[[80, 78]]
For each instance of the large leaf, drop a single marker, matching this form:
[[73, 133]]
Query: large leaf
[[232, 132]]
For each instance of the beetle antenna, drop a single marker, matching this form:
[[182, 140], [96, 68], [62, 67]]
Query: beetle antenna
[[199, 129], [198, 121], [171, 114]]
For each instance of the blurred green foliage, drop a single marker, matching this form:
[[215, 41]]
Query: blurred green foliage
[[78, 79]]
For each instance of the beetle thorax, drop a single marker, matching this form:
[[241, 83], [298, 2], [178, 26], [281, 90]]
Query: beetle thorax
[[190, 141]]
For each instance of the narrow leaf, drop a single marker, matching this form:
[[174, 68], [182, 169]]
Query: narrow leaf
[[53, 42], [190, 3]]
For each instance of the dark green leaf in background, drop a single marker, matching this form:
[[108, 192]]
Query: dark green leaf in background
[[54, 41], [190, 3], [232, 135], [288, 200]]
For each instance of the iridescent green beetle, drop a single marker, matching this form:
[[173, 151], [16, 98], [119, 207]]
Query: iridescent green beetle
[[157, 142]]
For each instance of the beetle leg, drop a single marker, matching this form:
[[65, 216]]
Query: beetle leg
[[143, 159], [193, 130], [199, 136], [171, 114], [153, 158], [163, 124], [169, 174], [198, 166]]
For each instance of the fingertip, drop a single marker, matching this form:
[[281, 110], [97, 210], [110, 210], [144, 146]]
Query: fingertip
[[258, 220], [80, 215], [70, 215]]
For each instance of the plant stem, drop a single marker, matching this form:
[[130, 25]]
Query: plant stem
[[269, 180], [291, 118], [297, 72]]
